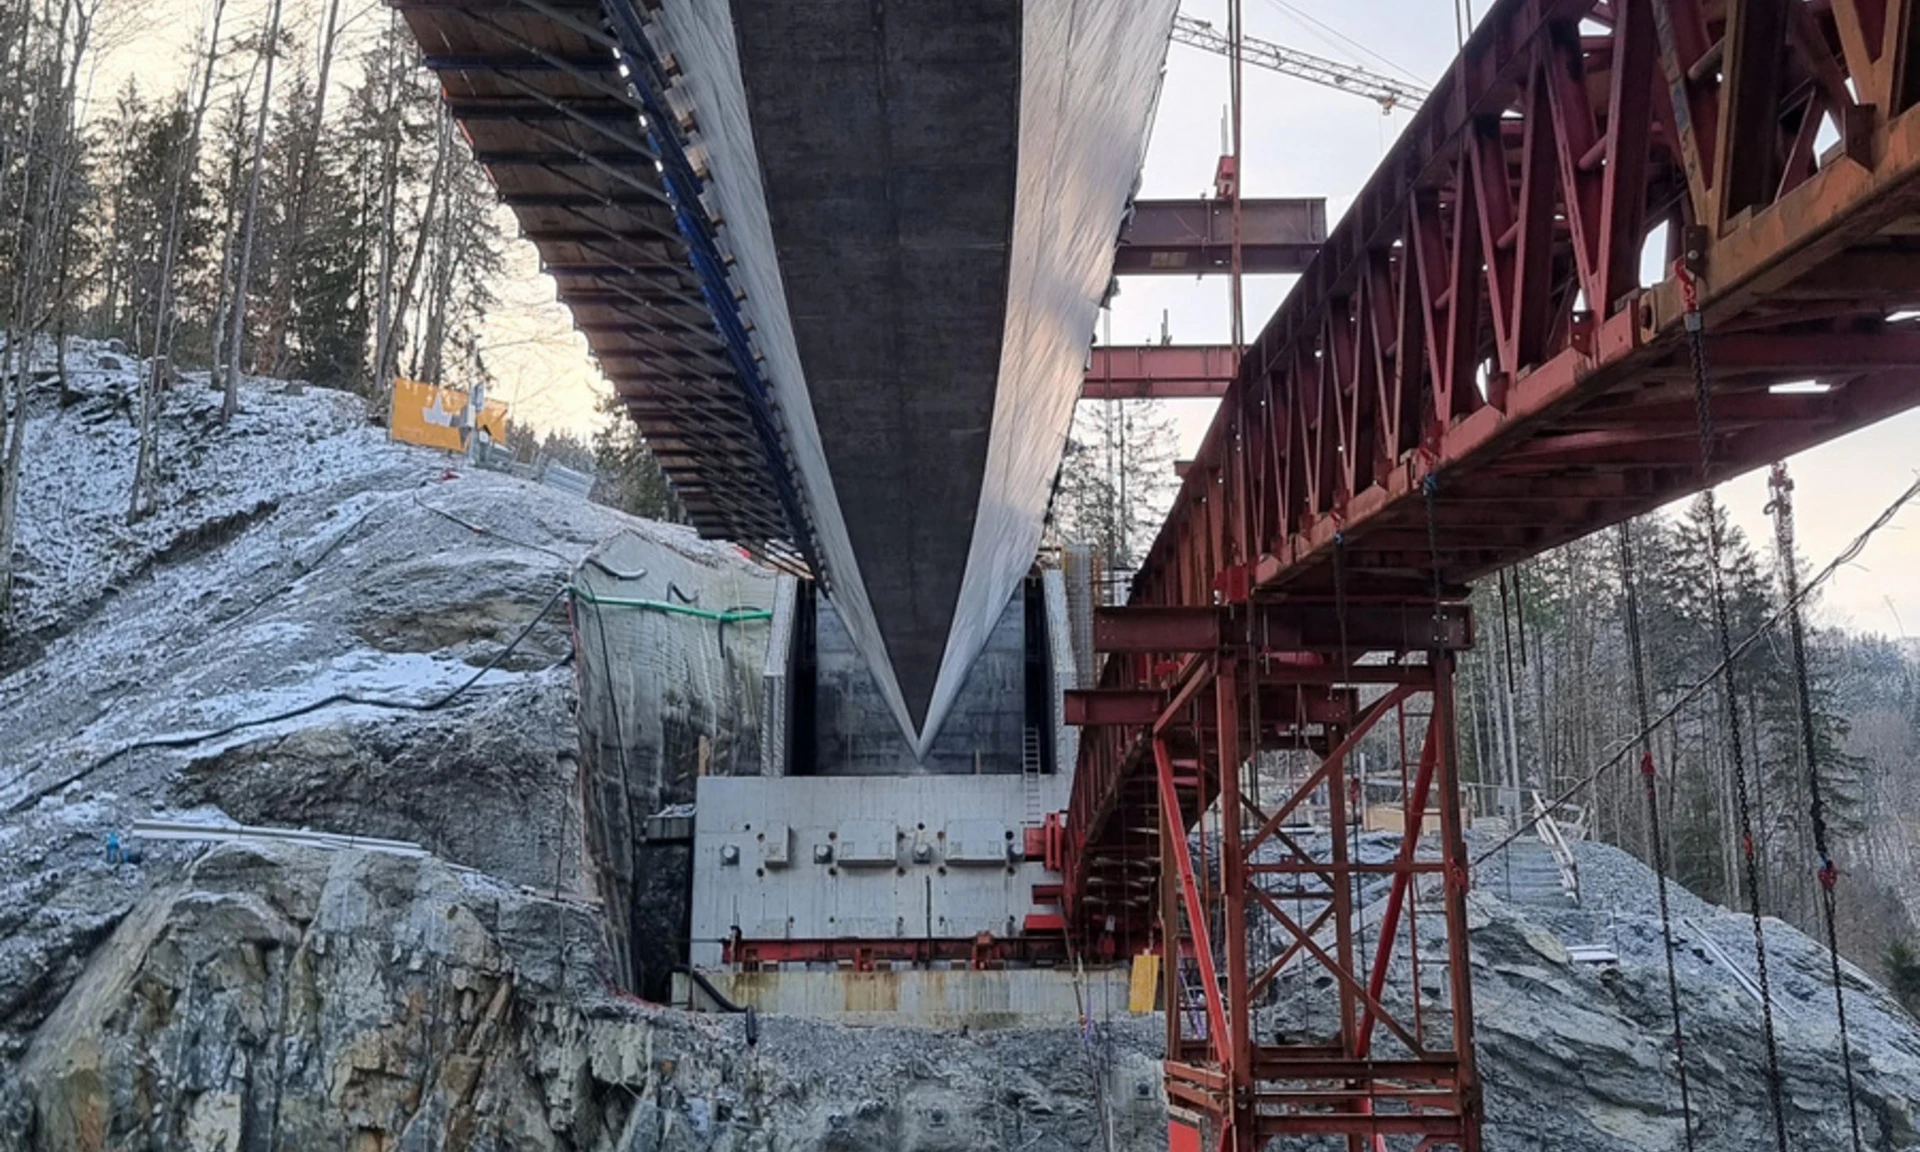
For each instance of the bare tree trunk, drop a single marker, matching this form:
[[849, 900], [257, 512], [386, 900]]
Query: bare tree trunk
[[51, 137], [434, 190], [229, 239], [389, 232], [61, 276], [231, 403], [280, 315], [433, 348], [153, 381]]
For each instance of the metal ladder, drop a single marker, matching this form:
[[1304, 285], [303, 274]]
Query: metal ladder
[[1032, 775]]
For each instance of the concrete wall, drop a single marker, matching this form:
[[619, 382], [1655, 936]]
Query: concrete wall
[[665, 698], [907, 857], [855, 733]]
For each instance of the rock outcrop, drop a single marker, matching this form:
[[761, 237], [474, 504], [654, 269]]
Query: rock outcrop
[[297, 999], [307, 574]]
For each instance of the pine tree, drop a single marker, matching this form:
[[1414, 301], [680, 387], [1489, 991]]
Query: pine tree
[[1116, 478], [630, 477]]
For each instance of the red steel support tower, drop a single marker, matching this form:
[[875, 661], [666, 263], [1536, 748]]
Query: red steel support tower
[[1488, 358], [1289, 1013]]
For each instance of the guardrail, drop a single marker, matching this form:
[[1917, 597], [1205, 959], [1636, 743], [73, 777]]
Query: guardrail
[[1554, 836]]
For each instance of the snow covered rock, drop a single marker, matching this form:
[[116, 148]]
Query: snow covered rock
[[302, 571]]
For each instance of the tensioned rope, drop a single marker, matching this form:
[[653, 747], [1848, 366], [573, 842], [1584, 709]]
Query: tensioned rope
[[1703, 403], [1845, 556], [1781, 486], [1654, 838]]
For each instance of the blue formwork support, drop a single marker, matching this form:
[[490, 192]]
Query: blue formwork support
[[649, 82]]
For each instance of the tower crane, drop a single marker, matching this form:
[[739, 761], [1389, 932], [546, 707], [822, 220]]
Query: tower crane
[[1382, 90]]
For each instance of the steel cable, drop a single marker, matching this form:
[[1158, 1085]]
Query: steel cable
[[188, 740], [1782, 508], [1703, 403], [1846, 556], [1655, 841]]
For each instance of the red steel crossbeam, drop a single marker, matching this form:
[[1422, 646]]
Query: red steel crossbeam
[[1485, 360], [1194, 237], [1159, 372]]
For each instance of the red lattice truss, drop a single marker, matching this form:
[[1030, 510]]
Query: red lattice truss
[[1485, 361]]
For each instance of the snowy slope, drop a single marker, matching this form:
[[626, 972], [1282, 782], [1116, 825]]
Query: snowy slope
[[296, 555], [75, 543]]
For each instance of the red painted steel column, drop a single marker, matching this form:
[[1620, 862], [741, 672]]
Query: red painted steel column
[[1454, 851], [1413, 820], [1196, 912], [1170, 931], [1233, 889]]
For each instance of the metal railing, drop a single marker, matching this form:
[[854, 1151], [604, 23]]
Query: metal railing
[[1553, 833]]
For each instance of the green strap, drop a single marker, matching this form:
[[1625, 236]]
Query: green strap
[[728, 616]]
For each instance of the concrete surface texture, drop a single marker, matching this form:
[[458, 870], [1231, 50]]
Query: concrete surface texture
[[668, 693], [945, 998], [894, 858], [855, 733], [923, 218]]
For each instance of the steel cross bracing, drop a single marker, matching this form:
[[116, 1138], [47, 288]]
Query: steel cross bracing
[[1485, 361]]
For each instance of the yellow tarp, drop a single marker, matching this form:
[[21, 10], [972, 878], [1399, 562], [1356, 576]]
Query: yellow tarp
[[1144, 988], [435, 417]]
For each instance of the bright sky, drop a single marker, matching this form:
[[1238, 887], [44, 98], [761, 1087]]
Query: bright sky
[[1300, 140]]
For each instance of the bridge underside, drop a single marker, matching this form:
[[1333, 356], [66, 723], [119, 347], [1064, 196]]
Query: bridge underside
[[840, 260], [537, 92], [887, 150]]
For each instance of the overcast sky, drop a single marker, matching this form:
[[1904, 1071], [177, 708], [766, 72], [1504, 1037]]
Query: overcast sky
[[1300, 140]]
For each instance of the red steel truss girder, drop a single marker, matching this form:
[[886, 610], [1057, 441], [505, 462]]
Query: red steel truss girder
[[1485, 290], [1474, 370], [1159, 372]]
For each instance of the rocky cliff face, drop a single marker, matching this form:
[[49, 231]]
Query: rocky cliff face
[[294, 999], [245, 999], [241, 999]]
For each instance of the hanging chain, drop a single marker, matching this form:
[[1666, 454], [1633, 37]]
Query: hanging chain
[[1781, 487], [1657, 843], [1430, 491], [1703, 404]]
